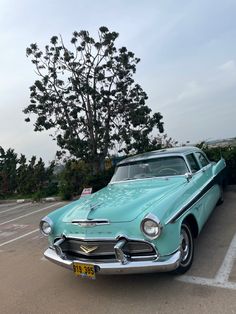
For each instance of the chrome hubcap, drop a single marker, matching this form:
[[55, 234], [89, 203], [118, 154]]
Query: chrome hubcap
[[185, 245]]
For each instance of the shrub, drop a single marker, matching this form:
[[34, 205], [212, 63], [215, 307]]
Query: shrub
[[228, 153]]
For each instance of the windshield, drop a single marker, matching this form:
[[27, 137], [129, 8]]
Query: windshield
[[159, 167]]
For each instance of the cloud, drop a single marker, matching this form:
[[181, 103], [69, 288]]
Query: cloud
[[193, 89], [187, 50], [204, 107], [228, 66], [206, 88]]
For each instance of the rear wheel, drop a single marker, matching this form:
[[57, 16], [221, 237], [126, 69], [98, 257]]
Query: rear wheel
[[187, 249]]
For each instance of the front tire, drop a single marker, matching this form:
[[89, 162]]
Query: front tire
[[187, 249]]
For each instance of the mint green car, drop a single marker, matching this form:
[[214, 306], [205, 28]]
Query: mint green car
[[145, 220]]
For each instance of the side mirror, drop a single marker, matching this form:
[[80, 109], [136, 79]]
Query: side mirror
[[188, 176]]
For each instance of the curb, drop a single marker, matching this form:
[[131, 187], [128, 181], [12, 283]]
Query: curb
[[27, 200]]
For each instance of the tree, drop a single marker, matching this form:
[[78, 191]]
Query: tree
[[73, 178], [88, 96], [8, 165], [25, 178]]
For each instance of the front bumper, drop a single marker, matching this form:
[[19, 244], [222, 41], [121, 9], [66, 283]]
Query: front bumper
[[163, 264]]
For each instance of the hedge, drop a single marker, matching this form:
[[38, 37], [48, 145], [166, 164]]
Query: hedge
[[228, 153]]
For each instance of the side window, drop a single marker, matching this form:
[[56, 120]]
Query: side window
[[193, 163], [202, 159]]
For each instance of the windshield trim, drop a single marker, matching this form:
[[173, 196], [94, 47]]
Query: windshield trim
[[133, 162], [152, 178], [138, 159]]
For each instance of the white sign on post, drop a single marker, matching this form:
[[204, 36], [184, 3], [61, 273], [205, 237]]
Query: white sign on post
[[86, 191]]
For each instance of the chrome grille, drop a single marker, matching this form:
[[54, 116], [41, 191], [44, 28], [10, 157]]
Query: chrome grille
[[75, 246], [97, 250]]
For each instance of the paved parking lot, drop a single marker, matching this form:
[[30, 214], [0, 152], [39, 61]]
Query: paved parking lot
[[30, 284]]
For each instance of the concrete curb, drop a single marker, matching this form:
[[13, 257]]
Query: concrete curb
[[27, 200]]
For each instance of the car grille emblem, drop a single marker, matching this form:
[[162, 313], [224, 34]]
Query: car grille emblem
[[88, 249]]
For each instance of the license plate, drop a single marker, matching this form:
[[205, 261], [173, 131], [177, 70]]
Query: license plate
[[84, 270]]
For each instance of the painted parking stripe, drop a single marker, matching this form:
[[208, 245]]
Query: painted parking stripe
[[221, 279], [228, 263], [207, 282], [18, 238], [16, 207], [28, 214]]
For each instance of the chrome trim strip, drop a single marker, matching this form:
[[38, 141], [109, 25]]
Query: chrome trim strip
[[90, 223], [147, 257], [156, 156], [178, 212], [107, 239], [152, 178], [163, 264]]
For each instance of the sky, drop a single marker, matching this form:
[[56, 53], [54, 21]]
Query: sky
[[188, 61]]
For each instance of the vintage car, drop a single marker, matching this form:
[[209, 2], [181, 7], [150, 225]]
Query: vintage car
[[144, 220]]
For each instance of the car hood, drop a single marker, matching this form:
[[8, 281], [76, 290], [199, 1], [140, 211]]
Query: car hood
[[122, 202]]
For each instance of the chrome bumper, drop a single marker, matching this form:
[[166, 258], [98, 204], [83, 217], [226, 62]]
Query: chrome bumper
[[163, 264]]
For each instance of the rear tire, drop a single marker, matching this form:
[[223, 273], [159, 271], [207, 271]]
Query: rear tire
[[187, 249]]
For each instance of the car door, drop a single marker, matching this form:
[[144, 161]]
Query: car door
[[201, 174], [208, 192]]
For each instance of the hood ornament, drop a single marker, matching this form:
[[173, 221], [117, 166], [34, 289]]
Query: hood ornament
[[88, 249], [94, 206]]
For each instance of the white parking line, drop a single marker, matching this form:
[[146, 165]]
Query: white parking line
[[18, 206], [18, 238], [28, 214], [221, 279], [228, 263]]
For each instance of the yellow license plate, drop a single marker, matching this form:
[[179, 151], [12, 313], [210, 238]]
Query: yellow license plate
[[84, 270]]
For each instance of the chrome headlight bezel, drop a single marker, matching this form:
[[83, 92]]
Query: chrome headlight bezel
[[45, 223], [156, 222]]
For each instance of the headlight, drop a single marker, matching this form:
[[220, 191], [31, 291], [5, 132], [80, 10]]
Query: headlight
[[151, 226], [45, 226]]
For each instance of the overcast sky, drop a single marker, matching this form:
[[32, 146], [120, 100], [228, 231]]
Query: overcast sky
[[188, 61]]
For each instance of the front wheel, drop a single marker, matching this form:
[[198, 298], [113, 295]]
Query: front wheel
[[187, 249]]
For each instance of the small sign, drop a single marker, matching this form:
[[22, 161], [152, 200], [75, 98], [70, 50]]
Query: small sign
[[86, 191]]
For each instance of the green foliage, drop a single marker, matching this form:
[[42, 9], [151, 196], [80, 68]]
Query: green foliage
[[88, 94], [37, 196], [72, 179], [17, 176], [78, 175], [100, 180], [228, 153], [8, 165]]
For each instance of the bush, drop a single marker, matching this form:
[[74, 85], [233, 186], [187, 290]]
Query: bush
[[37, 196], [228, 153], [77, 175], [100, 180]]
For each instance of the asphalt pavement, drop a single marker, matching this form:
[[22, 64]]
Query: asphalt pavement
[[30, 284]]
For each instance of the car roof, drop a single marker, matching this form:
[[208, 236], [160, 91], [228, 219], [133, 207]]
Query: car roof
[[160, 153]]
